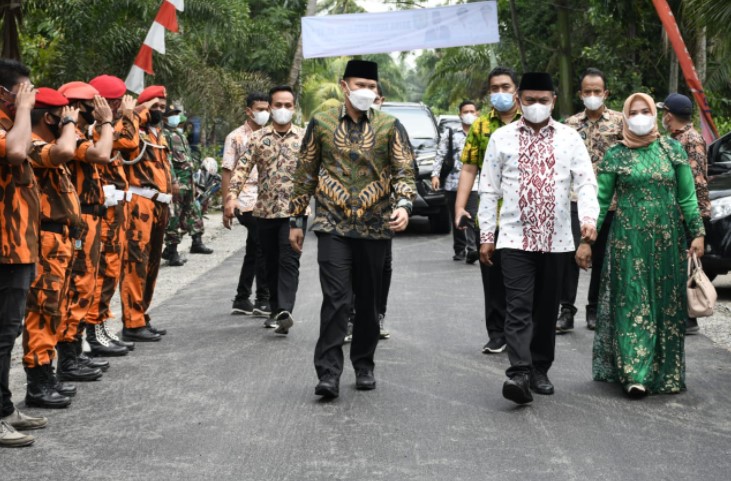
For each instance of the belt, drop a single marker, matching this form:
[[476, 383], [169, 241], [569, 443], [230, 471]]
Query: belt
[[93, 209], [151, 194]]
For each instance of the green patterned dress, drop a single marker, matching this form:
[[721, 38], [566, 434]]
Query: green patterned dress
[[642, 303]]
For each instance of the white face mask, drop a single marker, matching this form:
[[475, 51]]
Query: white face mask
[[362, 99], [261, 117], [468, 119], [376, 106], [282, 116], [593, 102], [641, 124], [536, 113]]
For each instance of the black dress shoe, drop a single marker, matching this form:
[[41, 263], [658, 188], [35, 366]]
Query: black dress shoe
[[516, 389], [140, 334], [328, 388], [364, 380], [591, 317], [565, 321], [540, 384], [472, 257]]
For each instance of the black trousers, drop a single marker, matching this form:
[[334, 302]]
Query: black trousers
[[464, 239], [282, 263], [571, 274], [597, 259], [493, 288], [348, 267], [15, 281], [254, 265], [532, 288], [386, 280]]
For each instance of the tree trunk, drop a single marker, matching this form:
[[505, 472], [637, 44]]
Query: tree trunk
[[674, 71], [518, 36], [10, 11], [700, 55], [294, 71], [564, 60]]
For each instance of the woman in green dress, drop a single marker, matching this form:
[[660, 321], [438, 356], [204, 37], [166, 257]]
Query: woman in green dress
[[639, 339]]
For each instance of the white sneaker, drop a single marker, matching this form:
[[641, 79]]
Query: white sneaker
[[10, 438], [21, 421]]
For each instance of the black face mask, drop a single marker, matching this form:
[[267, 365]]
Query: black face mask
[[88, 116], [155, 117], [55, 127]]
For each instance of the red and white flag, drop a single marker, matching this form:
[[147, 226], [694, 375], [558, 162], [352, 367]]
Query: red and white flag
[[166, 19]]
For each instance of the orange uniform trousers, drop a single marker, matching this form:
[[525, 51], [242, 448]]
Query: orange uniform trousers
[[47, 299], [113, 235], [147, 223], [82, 281]]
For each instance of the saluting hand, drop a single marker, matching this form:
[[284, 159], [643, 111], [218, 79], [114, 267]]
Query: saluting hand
[[70, 112], [26, 97], [128, 103], [102, 110], [399, 220]]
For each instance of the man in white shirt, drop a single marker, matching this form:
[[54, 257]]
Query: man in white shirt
[[254, 266], [531, 164]]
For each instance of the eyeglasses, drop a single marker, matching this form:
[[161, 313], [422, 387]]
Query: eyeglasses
[[9, 92]]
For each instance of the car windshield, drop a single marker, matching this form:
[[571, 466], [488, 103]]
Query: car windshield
[[417, 122]]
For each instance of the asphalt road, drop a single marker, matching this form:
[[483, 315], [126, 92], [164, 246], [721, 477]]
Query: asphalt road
[[223, 398]]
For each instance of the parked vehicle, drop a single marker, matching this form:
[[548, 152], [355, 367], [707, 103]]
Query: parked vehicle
[[445, 122], [421, 126], [717, 258]]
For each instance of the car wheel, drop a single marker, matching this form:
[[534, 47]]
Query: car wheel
[[440, 223]]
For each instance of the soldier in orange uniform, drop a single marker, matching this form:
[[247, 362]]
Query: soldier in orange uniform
[[114, 223], [19, 225], [93, 109], [149, 177], [54, 144]]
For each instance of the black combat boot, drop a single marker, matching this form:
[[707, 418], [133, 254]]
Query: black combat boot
[[63, 388], [174, 260], [115, 339], [149, 325], [40, 392], [85, 360], [168, 251], [198, 247], [69, 367], [100, 344]]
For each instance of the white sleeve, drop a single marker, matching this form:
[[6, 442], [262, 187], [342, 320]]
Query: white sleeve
[[490, 191], [584, 181]]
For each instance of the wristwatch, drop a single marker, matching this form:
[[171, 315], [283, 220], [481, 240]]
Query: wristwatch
[[297, 222], [67, 120], [405, 204]]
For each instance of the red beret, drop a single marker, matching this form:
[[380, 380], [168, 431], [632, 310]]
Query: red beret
[[78, 91], [151, 92], [109, 87], [49, 98]]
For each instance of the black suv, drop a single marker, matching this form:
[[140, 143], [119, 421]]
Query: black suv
[[421, 126], [717, 258]]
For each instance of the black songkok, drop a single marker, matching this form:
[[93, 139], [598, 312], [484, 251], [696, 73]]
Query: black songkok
[[361, 69], [536, 81]]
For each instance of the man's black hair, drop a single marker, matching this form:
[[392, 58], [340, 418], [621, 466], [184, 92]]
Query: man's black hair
[[593, 72], [256, 97], [36, 115], [503, 71], [466, 102], [280, 88], [11, 71], [683, 118]]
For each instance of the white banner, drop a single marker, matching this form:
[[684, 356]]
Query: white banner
[[363, 33]]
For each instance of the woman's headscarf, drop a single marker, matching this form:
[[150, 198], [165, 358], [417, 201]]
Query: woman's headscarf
[[632, 140]]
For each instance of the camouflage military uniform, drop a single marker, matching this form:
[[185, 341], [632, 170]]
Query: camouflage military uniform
[[186, 214]]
